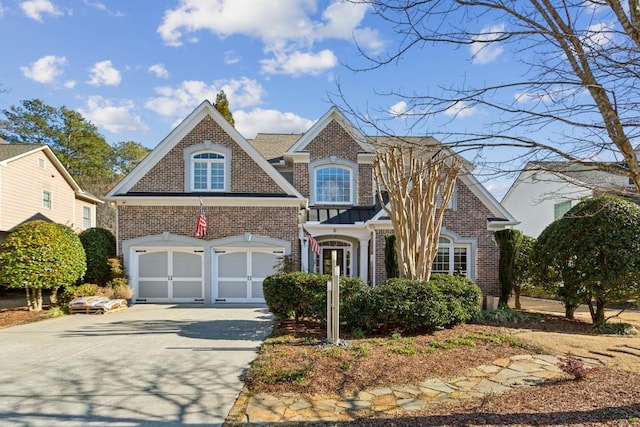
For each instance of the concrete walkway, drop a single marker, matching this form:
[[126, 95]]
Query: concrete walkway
[[497, 377], [150, 365]]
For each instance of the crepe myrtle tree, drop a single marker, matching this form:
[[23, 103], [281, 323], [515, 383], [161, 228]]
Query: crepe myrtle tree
[[594, 252], [41, 255], [579, 77], [418, 183]]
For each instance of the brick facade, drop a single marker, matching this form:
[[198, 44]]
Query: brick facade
[[223, 221], [168, 174]]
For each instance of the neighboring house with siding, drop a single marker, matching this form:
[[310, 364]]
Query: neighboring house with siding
[[35, 185], [261, 197], [545, 191]]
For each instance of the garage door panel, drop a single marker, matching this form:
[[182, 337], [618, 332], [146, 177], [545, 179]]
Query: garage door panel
[[256, 290], [233, 265], [153, 289], [232, 289], [187, 264], [187, 289], [153, 264], [263, 264]]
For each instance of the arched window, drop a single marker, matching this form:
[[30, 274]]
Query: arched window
[[333, 185], [208, 171], [451, 258]]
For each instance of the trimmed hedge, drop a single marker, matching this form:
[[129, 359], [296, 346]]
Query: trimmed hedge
[[297, 295], [99, 245], [408, 305], [412, 305]]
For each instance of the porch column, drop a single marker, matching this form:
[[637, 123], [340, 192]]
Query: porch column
[[364, 259], [304, 253]]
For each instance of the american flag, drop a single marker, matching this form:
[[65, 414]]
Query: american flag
[[201, 226], [313, 243]]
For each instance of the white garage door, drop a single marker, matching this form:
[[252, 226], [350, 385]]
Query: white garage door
[[240, 274], [169, 275]]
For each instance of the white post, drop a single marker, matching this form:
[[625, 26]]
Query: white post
[[329, 313], [335, 296]]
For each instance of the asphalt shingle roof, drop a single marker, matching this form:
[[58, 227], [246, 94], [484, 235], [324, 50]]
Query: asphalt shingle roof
[[7, 151]]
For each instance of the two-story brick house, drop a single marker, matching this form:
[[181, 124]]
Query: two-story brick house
[[35, 185], [261, 197]]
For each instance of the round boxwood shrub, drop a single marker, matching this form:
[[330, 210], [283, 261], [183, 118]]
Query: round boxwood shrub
[[412, 305], [99, 245], [304, 295], [41, 255]]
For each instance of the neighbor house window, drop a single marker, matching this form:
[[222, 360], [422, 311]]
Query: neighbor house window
[[42, 164], [208, 171], [333, 185], [46, 199], [559, 209], [86, 217], [451, 259]]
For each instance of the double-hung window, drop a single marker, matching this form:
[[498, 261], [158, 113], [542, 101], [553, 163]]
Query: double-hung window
[[86, 217], [333, 185], [208, 171], [46, 199]]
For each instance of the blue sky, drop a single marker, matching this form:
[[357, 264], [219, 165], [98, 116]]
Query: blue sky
[[136, 68]]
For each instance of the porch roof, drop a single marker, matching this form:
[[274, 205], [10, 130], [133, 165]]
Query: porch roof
[[347, 215]]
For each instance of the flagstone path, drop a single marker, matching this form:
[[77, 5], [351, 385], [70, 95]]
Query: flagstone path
[[498, 377]]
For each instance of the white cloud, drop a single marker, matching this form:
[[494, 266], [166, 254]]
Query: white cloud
[[70, 84], [159, 70], [260, 120], [98, 5], [231, 57], [104, 73], [2, 10], [298, 63], [284, 26], [528, 97], [461, 110], [483, 49], [45, 69], [114, 118], [398, 109], [181, 100], [598, 35], [34, 9]]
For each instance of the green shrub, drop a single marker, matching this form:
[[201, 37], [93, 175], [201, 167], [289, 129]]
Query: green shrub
[[297, 295], [41, 255], [99, 245], [505, 315], [615, 329], [415, 305]]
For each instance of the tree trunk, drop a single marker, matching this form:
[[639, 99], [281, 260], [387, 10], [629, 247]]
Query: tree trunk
[[569, 310], [516, 297], [34, 298], [597, 315], [54, 295]]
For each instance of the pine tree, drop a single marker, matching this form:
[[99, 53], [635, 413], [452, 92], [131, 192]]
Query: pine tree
[[222, 105]]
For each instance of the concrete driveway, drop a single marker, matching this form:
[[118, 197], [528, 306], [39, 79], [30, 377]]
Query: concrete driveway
[[151, 365]]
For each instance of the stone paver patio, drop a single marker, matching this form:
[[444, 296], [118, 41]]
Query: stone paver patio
[[497, 377]]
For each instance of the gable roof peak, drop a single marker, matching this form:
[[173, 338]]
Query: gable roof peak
[[333, 114]]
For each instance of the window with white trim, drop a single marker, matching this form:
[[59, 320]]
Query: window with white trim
[[559, 209], [208, 171], [333, 185], [451, 259], [47, 199], [86, 217]]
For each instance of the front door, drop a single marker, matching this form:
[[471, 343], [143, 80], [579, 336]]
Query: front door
[[340, 261]]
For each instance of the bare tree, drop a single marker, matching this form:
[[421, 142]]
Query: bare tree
[[418, 188], [581, 75]]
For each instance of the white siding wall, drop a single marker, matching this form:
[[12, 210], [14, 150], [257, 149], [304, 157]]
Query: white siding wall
[[532, 198], [22, 184]]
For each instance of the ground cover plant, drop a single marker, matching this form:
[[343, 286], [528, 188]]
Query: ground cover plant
[[293, 362]]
